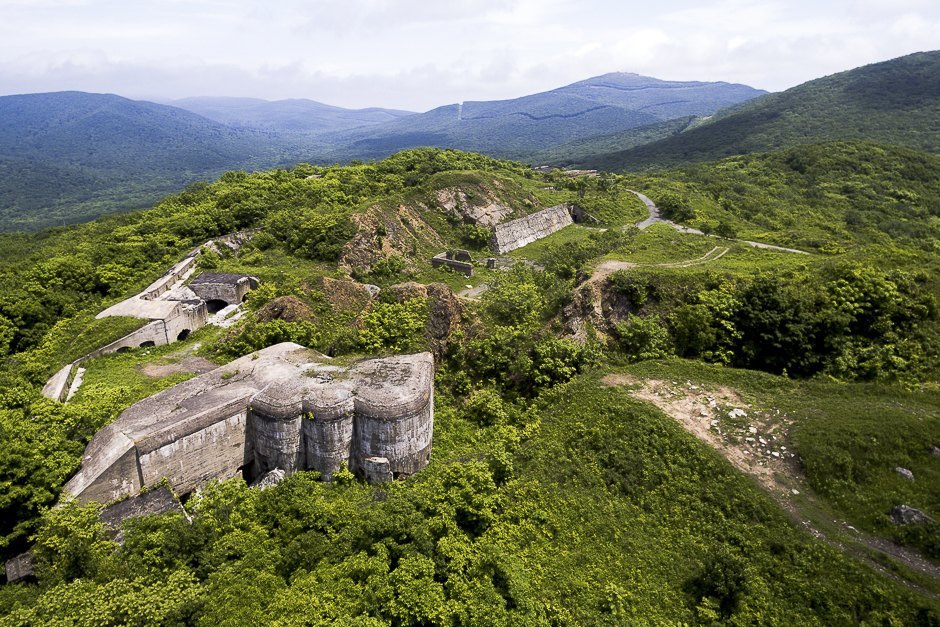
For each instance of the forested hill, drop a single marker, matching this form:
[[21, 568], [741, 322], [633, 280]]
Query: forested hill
[[894, 102], [564, 486], [296, 115], [68, 156], [521, 127]]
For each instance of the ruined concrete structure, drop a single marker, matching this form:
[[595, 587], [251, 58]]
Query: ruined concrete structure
[[459, 260], [517, 233], [283, 407], [174, 310], [221, 290]]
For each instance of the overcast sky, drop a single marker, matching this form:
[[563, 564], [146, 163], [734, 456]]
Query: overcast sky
[[418, 54]]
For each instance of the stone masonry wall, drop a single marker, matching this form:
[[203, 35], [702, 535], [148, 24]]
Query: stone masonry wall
[[517, 233]]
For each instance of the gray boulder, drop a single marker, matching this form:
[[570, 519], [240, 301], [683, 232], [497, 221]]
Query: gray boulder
[[907, 515], [905, 473], [269, 479]]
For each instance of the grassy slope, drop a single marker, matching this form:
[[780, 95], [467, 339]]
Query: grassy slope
[[895, 102], [613, 508]]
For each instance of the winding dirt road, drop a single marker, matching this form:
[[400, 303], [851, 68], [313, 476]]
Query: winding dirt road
[[655, 217]]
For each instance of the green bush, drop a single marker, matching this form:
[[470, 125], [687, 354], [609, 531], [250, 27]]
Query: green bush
[[643, 338]]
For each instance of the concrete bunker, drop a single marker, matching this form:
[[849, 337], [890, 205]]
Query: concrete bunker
[[285, 407], [458, 260], [220, 290]]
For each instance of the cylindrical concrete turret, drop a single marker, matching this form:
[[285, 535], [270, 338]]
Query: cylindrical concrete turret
[[328, 430], [274, 424]]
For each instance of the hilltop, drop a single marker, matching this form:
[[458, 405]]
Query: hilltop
[[296, 115], [893, 102], [521, 127], [592, 428]]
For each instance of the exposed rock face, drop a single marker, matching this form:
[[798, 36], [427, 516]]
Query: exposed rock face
[[485, 211], [904, 473], [286, 308], [283, 407], [517, 233], [906, 515], [269, 479], [382, 233], [444, 310], [347, 295]]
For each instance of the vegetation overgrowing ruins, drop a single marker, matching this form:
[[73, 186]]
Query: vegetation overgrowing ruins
[[597, 395]]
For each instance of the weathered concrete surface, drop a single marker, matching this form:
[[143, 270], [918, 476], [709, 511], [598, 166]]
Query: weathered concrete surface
[[20, 567], [228, 288], [517, 233], [283, 407], [153, 502], [459, 260], [58, 386]]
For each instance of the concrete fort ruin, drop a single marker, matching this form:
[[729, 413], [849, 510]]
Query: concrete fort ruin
[[174, 310], [285, 407]]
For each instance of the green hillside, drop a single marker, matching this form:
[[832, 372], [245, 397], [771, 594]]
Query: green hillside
[[566, 486], [894, 102], [522, 128], [69, 156]]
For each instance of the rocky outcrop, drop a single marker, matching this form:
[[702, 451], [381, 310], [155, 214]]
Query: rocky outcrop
[[282, 407], [286, 308], [515, 234], [906, 515], [382, 233], [480, 209], [444, 310]]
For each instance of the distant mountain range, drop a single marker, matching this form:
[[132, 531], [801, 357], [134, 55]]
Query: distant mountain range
[[286, 116], [522, 127], [70, 156], [895, 102]]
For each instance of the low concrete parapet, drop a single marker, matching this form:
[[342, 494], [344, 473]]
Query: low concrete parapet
[[459, 260]]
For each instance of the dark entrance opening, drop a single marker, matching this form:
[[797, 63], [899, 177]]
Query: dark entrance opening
[[215, 305], [147, 344], [123, 349], [183, 335]]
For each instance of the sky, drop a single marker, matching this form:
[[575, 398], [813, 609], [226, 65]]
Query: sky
[[419, 54]]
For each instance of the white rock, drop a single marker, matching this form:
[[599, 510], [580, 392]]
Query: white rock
[[752, 429]]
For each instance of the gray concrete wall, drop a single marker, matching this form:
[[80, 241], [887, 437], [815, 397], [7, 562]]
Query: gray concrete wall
[[230, 293], [460, 266], [517, 233], [216, 451], [283, 407]]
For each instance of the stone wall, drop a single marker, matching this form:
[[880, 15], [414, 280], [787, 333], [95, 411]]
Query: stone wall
[[517, 233], [283, 407]]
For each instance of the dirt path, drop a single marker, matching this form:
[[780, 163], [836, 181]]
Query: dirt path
[[756, 442], [655, 217], [606, 268]]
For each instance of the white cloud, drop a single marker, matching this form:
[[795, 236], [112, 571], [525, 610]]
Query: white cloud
[[416, 54]]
